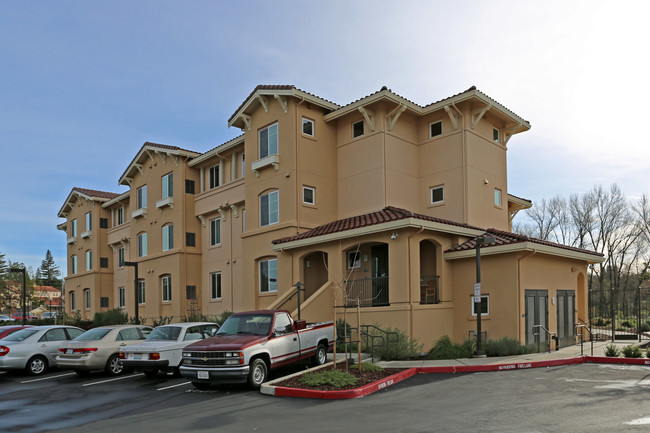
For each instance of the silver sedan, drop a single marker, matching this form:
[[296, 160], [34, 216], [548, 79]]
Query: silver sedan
[[34, 349]]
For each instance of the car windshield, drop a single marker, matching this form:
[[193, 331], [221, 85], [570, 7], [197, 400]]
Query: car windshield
[[21, 335], [166, 333], [94, 334], [255, 324]]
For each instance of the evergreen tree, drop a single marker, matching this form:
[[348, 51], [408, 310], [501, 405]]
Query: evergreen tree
[[47, 274]]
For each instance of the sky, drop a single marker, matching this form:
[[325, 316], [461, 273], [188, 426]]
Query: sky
[[83, 84]]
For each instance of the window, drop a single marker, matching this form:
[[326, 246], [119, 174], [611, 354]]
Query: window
[[167, 186], [87, 298], [57, 334], [497, 196], [189, 186], [141, 199], [103, 262], [282, 324], [73, 305], [269, 212], [435, 129], [215, 232], [495, 135], [121, 296], [215, 285], [141, 292], [73, 228], [354, 259], [142, 244], [214, 180], [103, 223], [120, 215], [103, 302], [485, 305], [120, 257], [168, 237], [73, 264], [190, 239], [190, 292], [268, 275], [166, 285], [243, 220], [268, 141], [308, 195], [89, 221], [89, 260], [308, 127], [243, 164], [358, 129], [437, 194]]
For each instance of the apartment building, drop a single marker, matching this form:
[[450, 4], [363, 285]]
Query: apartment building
[[377, 203]]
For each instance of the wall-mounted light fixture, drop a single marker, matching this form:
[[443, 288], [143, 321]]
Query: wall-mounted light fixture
[[394, 235]]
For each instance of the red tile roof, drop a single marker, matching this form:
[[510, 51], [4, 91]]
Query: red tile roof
[[385, 215], [95, 193]]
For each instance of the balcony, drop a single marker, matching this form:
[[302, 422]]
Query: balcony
[[371, 292], [142, 212], [429, 289], [169, 201]]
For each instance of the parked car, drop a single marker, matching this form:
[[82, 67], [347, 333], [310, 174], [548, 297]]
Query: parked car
[[5, 318], [34, 348], [10, 329], [99, 348], [50, 315], [19, 316], [249, 344], [162, 350]]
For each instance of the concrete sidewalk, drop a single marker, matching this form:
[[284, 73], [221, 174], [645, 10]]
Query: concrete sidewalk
[[564, 353]]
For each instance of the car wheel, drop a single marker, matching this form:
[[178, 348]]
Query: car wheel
[[201, 385], [320, 357], [114, 366], [257, 374], [151, 373], [36, 365], [82, 372]]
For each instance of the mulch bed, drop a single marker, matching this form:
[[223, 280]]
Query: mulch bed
[[364, 378]]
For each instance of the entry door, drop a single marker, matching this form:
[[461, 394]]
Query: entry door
[[536, 314], [566, 317], [379, 255]]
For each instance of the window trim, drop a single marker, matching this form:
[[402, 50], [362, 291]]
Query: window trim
[[431, 132], [500, 195], [89, 260], [142, 246], [73, 228], [121, 297], [141, 197], [431, 189], [215, 222], [473, 306], [167, 238], [89, 221], [269, 283], [87, 302], [74, 264], [357, 263], [306, 120], [167, 192], [277, 211], [363, 125], [313, 193], [214, 176], [142, 290], [73, 303], [497, 132], [213, 278], [268, 141], [166, 288], [121, 257]]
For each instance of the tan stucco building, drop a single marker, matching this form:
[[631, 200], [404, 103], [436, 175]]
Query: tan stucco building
[[378, 202]]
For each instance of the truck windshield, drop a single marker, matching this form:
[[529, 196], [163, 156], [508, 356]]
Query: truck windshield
[[254, 324]]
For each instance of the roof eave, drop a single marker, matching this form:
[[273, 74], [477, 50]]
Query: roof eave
[[117, 199], [216, 151], [590, 258], [371, 99], [179, 152], [525, 204]]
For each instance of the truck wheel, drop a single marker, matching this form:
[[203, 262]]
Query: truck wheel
[[320, 357], [257, 374]]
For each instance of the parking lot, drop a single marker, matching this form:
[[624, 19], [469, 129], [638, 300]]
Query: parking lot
[[580, 398]]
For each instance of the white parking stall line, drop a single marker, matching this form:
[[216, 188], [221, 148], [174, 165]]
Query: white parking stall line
[[111, 380], [174, 386], [46, 378]]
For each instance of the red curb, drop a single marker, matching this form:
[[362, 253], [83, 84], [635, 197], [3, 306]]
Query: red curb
[[614, 360], [500, 367], [348, 393]]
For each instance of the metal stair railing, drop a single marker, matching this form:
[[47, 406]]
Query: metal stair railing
[[551, 336]]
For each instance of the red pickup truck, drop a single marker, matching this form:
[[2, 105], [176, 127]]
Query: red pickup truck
[[250, 344]]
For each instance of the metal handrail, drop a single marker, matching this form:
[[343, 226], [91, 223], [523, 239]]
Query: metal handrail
[[381, 339], [550, 335], [591, 338]]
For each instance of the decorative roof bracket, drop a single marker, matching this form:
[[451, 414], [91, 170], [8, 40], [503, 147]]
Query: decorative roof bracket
[[151, 155], [509, 132], [454, 115], [175, 158], [163, 156], [262, 100], [140, 168], [282, 101], [478, 113], [235, 210], [203, 220], [392, 117], [222, 213], [369, 116], [129, 180], [247, 120]]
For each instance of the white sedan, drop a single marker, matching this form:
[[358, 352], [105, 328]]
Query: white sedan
[[162, 350]]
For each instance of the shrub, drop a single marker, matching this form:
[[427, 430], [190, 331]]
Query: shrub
[[644, 327], [612, 350], [647, 352], [162, 320], [116, 316], [367, 366], [627, 324], [507, 346], [222, 317], [336, 378], [445, 349], [398, 346], [343, 331], [632, 351]]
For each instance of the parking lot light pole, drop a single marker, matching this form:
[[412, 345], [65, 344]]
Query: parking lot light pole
[[481, 240], [24, 292], [135, 286]]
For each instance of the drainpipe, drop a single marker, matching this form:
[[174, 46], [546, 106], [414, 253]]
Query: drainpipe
[[408, 280], [298, 189], [465, 214], [530, 254]]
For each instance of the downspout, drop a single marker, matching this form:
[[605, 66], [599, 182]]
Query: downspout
[[298, 191], [232, 266], [290, 261], [531, 253], [465, 186], [408, 280]]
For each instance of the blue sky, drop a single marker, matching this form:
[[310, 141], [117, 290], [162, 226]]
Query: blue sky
[[83, 84]]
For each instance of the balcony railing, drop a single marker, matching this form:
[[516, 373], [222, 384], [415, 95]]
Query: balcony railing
[[371, 292], [429, 289]]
